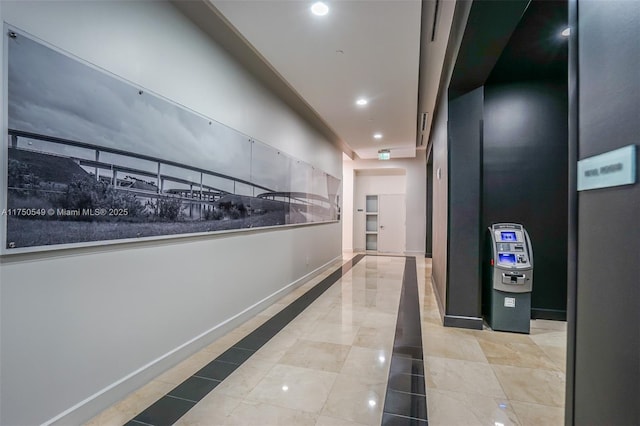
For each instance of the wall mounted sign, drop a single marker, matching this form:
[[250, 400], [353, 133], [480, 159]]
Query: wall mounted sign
[[613, 168]]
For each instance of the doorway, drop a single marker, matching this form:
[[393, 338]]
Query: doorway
[[385, 223], [391, 228], [379, 212]]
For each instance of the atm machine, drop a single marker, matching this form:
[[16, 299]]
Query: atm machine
[[508, 278]]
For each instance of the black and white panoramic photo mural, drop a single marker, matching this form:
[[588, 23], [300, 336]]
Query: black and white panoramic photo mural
[[92, 158]]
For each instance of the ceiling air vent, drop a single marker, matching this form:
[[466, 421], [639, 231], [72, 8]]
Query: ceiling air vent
[[435, 21], [423, 122]]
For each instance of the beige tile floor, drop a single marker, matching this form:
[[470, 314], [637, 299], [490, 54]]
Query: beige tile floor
[[330, 365], [491, 378]]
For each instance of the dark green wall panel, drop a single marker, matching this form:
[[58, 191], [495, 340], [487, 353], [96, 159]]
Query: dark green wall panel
[[465, 149], [525, 170]]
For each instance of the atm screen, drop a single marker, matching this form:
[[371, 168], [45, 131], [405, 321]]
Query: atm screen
[[508, 236], [506, 258]]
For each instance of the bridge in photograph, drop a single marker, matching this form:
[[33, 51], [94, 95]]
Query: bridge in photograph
[[310, 206], [150, 179], [192, 191]]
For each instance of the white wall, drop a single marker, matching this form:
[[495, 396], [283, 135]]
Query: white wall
[[348, 175], [371, 172], [81, 328]]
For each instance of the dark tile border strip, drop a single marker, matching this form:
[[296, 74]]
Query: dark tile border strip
[[168, 409], [406, 402]]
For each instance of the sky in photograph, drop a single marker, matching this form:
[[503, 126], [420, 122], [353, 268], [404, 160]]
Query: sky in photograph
[[53, 94]]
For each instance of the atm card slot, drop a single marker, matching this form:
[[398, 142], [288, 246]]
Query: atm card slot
[[513, 279]]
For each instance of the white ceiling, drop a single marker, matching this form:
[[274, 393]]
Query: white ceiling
[[361, 48]]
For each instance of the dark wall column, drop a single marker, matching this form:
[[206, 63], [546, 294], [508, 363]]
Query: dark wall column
[[572, 234], [606, 388], [429, 225], [464, 251]]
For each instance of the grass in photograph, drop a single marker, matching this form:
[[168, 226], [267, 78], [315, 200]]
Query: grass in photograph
[[32, 233]]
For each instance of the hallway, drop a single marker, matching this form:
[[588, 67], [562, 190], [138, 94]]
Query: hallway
[[330, 364]]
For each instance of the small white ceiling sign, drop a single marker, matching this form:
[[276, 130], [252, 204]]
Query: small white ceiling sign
[[613, 168]]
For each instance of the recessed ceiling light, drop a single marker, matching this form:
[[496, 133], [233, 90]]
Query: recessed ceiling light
[[362, 102], [377, 135], [566, 32], [319, 8]]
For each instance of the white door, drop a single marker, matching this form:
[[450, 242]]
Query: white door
[[391, 227]]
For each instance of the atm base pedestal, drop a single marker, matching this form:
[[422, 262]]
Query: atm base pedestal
[[510, 311]]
